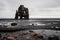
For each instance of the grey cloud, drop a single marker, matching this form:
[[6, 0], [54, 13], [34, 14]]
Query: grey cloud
[[10, 6]]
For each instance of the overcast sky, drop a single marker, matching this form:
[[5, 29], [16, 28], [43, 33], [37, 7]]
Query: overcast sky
[[37, 8]]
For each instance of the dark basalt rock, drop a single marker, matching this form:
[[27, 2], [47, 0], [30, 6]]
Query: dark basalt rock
[[53, 38], [13, 24], [31, 31]]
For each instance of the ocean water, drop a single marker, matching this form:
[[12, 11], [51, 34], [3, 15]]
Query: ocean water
[[24, 23]]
